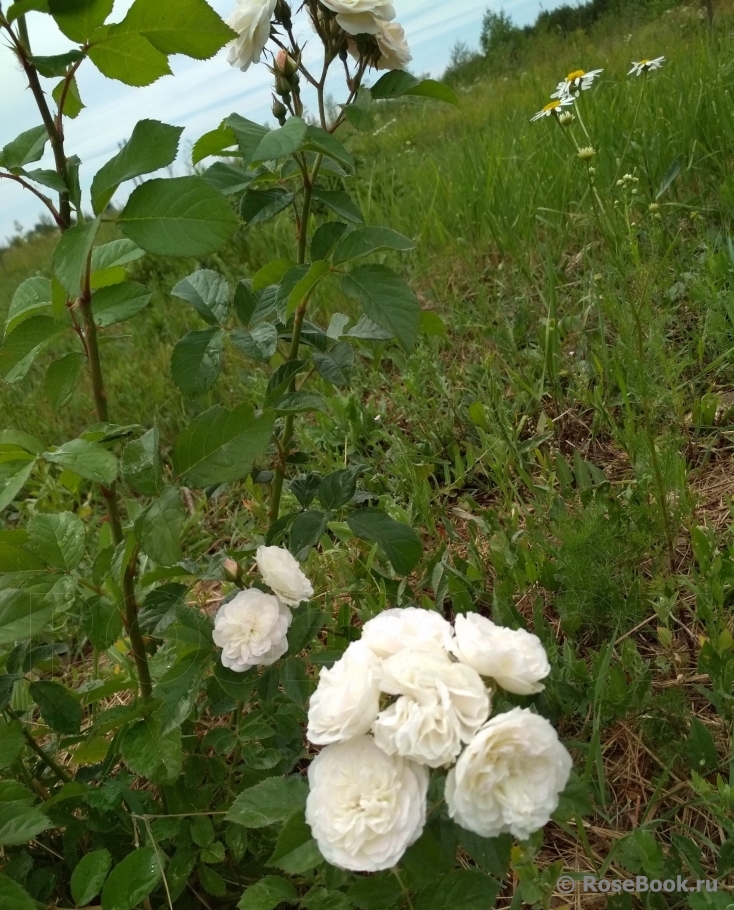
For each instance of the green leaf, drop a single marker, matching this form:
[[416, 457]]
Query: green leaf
[[152, 146], [46, 178], [318, 140], [337, 488], [24, 149], [15, 555], [21, 7], [341, 203], [208, 293], [215, 142], [141, 464], [249, 135], [670, 176], [703, 756], [320, 898], [260, 205], [137, 876], [272, 800], [101, 622], [89, 875], [69, 259], [77, 19], [468, 889], [181, 216], [73, 104], [490, 853], [115, 253], [26, 605], [397, 83], [298, 403], [336, 366], [56, 65], [60, 708], [268, 893], [20, 823], [219, 446], [58, 538], [306, 530], [130, 58], [281, 142], [260, 344], [400, 543], [189, 27], [179, 689], [32, 297], [306, 284], [119, 303], [326, 237], [196, 361], [375, 893], [11, 742], [12, 895], [367, 240], [22, 440], [272, 273], [369, 330], [158, 528], [386, 299], [13, 477], [87, 459], [227, 179], [360, 113], [150, 753], [245, 301], [295, 849], [25, 342]]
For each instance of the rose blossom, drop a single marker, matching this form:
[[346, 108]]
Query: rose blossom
[[347, 698], [391, 41], [409, 627], [251, 20], [509, 777], [443, 704], [282, 574], [365, 808], [513, 658], [251, 630], [361, 17]]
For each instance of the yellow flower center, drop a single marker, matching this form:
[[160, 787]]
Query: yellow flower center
[[643, 62], [551, 106], [576, 74]]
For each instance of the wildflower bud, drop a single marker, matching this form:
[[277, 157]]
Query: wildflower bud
[[566, 118], [592, 171], [280, 111], [283, 13], [620, 183], [285, 64], [232, 571], [282, 86], [653, 207], [587, 153]]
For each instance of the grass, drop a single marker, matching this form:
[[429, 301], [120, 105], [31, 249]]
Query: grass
[[518, 441]]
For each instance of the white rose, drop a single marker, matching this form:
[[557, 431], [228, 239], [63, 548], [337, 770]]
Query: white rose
[[513, 658], [365, 808], [251, 630], [408, 627], [361, 17], [347, 698], [444, 704], [282, 574], [509, 777], [391, 41], [251, 20]]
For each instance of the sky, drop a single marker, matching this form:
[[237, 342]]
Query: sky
[[201, 94]]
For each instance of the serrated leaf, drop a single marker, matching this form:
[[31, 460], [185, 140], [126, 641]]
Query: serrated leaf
[[268, 893], [296, 850], [341, 203], [32, 297], [365, 241], [58, 538], [57, 64], [153, 145], [158, 528], [21, 7], [272, 273], [141, 464], [303, 287], [115, 253], [89, 875], [257, 206], [78, 19], [213, 143], [248, 134], [227, 179], [196, 361], [281, 142], [181, 216], [219, 446], [20, 823], [87, 459], [189, 27], [128, 58], [24, 343], [101, 622], [326, 237], [337, 488], [298, 403], [397, 83], [27, 604], [323, 142], [119, 302], [60, 708], [148, 752], [15, 556], [467, 889], [46, 178], [12, 895], [73, 104], [11, 742], [208, 293], [272, 800], [179, 689], [260, 344], [386, 299], [13, 477], [69, 259], [245, 301], [133, 879], [25, 148], [306, 530], [336, 365], [399, 542], [375, 892]]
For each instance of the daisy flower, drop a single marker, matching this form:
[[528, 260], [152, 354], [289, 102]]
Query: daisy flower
[[575, 83], [641, 67], [553, 108]]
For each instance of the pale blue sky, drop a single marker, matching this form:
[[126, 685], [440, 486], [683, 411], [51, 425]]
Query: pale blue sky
[[201, 94]]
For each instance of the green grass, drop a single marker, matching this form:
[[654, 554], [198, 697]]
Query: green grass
[[517, 442]]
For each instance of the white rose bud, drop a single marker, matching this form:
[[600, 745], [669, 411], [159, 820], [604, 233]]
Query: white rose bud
[[409, 627], [251, 630], [282, 574], [365, 808], [513, 658], [443, 704], [347, 698], [361, 17], [251, 20], [391, 41], [509, 777]]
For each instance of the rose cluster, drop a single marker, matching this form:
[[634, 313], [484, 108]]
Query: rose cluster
[[251, 628], [409, 696]]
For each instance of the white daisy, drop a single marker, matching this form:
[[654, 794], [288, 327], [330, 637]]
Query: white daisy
[[575, 83], [641, 67], [553, 108]]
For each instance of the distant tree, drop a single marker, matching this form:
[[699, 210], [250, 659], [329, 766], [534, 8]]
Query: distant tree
[[499, 34]]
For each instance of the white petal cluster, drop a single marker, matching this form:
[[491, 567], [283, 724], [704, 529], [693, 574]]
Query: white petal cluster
[[251, 20], [282, 574], [408, 696], [643, 67], [251, 630], [509, 778], [394, 50], [361, 17]]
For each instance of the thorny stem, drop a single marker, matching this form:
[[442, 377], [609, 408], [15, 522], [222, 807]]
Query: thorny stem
[[41, 753], [44, 199]]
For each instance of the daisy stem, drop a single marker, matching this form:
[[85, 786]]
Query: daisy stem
[[632, 129], [577, 106]]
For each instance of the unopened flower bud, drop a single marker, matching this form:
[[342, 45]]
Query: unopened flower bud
[[587, 153], [282, 86], [285, 64], [283, 13], [565, 118], [232, 570], [280, 111]]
